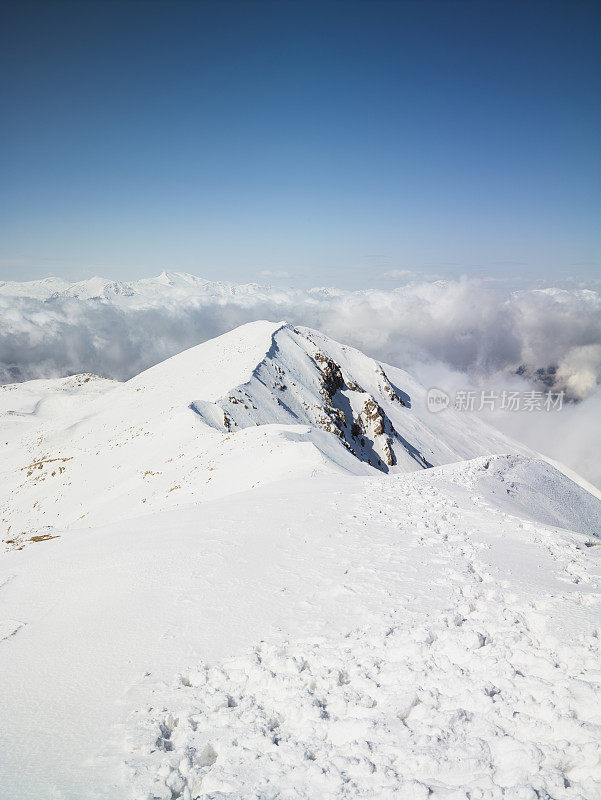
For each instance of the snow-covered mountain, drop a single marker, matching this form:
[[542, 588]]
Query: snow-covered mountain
[[264, 402], [164, 287], [263, 569]]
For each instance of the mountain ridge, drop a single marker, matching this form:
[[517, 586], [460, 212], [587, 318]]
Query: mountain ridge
[[259, 403]]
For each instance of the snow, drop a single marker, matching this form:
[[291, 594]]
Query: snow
[[291, 621], [40, 289], [234, 413]]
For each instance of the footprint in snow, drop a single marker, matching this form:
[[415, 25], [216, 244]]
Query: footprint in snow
[[8, 628]]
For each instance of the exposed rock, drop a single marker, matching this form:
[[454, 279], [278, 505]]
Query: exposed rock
[[373, 414], [332, 379], [389, 453], [388, 388]]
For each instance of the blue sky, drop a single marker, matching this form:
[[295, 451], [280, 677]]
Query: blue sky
[[334, 141]]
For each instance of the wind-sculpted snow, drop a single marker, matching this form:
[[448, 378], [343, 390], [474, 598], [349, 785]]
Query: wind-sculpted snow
[[530, 489]]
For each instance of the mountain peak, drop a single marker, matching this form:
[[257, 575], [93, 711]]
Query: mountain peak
[[170, 278]]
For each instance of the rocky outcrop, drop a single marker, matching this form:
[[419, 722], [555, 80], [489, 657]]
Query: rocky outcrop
[[387, 387], [373, 423], [373, 417], [389, 455], [332, 379]]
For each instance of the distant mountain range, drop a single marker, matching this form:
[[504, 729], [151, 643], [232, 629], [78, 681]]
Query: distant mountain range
[[166, 286]]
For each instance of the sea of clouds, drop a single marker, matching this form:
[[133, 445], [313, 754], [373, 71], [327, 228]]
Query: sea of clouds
[[453, 334]]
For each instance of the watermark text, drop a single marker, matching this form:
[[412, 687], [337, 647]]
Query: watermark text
[[491, 400]]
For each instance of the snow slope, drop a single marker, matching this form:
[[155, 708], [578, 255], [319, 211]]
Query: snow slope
[[212, 589], [260, 403], [389, 636]]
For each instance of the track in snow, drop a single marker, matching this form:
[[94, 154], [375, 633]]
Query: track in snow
[[479, 702]]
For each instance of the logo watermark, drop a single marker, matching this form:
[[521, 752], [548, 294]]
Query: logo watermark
[[437, 400], [489, 400]]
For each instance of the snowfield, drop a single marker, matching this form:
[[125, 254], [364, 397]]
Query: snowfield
[[313, 612]]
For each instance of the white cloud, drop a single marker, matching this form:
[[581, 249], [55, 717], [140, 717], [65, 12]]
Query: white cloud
[[473, 326], [571, 436], [405, 275]]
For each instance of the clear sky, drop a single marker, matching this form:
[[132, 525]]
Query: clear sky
[[334, 141]]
